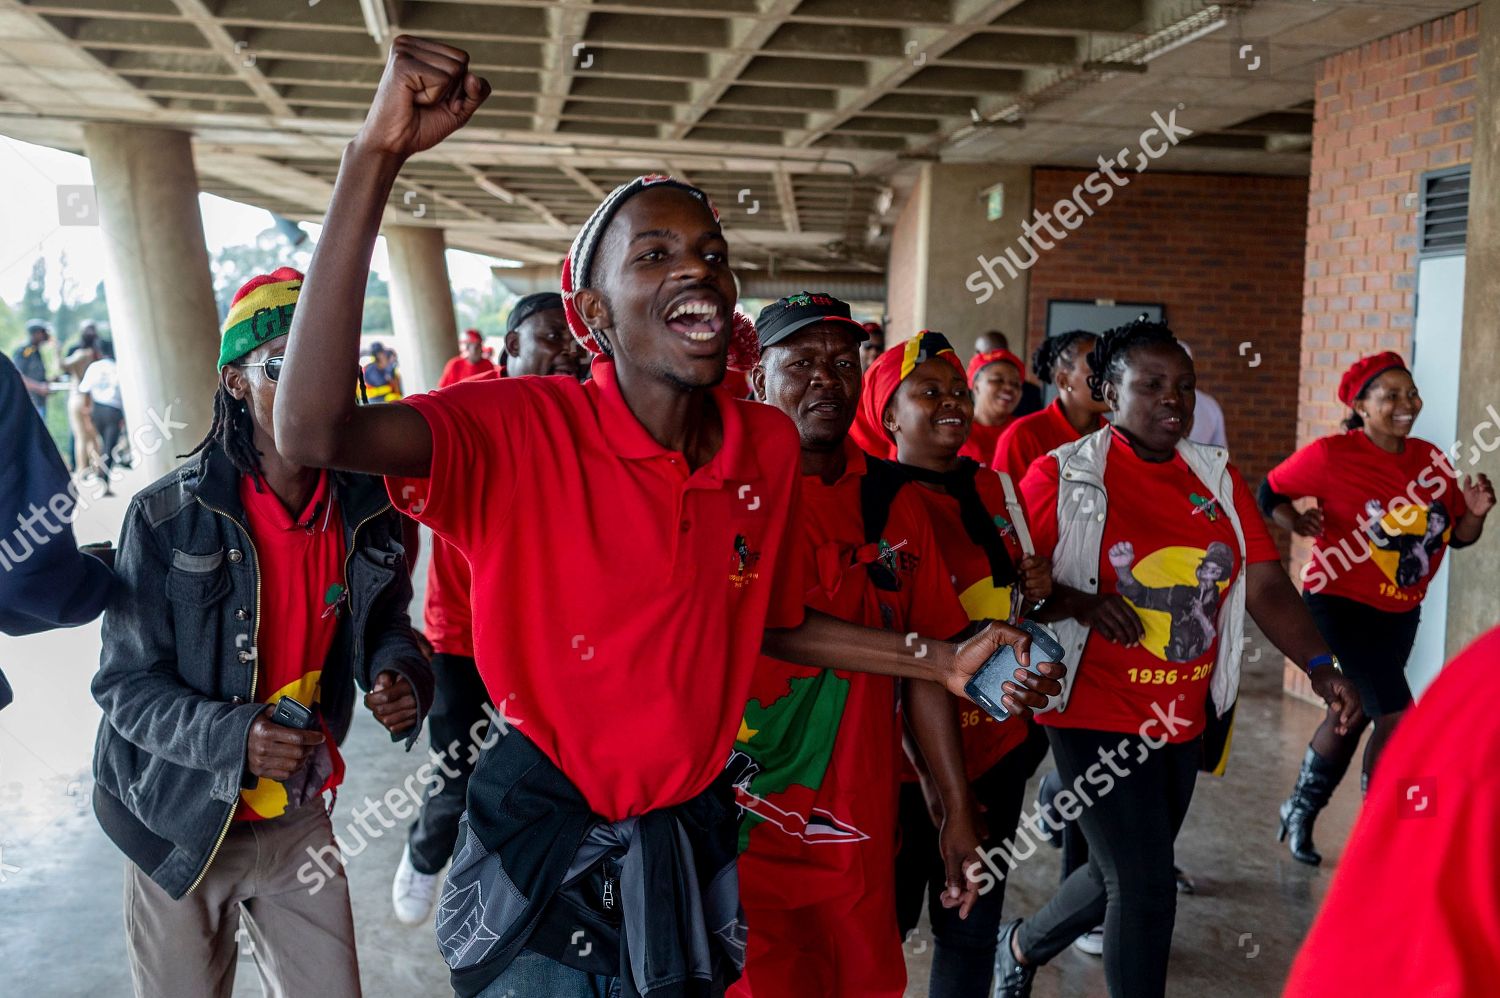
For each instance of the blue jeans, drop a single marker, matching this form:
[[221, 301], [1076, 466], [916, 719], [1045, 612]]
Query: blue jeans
[[531, 975]]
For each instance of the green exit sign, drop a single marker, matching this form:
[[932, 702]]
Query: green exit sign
[[994, 202]]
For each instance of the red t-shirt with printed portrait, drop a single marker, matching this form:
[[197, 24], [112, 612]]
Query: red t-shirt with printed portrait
[[1177, 553], [821, 805], [986, 740], [1388, 564]]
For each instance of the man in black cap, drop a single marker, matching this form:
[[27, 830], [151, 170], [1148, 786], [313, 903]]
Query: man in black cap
[[33, 366], [820, 747], [537, 340]]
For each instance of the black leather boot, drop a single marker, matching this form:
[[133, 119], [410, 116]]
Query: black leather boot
[[1315, 785]]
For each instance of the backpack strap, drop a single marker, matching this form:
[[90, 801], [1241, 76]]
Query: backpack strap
[[878, 487]]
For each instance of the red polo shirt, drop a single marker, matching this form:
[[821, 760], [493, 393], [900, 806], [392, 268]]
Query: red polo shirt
[[986, 740], [1390, 565], [301, 566], [1031, 436], [982, 441], [458, 369], [1177, 538], [1422, 857], [619, 596], [447, 618]]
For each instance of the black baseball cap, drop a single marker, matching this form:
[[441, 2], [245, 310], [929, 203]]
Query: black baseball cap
[[785, 316]]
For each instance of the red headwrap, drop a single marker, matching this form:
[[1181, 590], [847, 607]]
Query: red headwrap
[[1364, 371], [982, 360], [884, 377]]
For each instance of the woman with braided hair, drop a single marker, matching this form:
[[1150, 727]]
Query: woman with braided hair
[[1061, 361], [1156, 555]]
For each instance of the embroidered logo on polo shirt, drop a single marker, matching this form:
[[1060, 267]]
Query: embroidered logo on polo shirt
[[1207, 505], [332, 598], [744, 560]]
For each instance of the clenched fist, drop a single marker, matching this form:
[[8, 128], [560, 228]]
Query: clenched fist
[[425, 95], [1122, 555], [393, 702]]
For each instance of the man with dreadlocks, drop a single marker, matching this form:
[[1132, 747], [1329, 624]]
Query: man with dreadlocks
[[598, 847], [281, 581]]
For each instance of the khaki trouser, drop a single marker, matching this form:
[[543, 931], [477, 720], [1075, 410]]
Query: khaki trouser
[[302, 941], [86, 448]]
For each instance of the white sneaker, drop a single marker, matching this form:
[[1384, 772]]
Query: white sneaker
[[413, 892], [1091, 942]]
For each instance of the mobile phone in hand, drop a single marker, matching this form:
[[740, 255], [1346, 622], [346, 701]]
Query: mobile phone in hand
[[289, 713], [985, 688]]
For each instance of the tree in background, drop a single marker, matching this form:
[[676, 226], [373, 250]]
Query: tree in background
[[484, 310], [34, 303]]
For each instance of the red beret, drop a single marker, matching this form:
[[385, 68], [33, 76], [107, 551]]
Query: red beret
[[1364, 371], [982, 360], [473, 336]]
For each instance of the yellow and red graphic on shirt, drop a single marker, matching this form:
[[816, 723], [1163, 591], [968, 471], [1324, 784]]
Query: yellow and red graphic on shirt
[[1179, 615], [270, 798], [986, 601], [1407, 541]]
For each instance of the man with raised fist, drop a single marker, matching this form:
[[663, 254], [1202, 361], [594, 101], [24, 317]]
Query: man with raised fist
[[598, 847]]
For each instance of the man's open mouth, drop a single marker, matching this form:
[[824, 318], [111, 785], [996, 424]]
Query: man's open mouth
[[696, 318]]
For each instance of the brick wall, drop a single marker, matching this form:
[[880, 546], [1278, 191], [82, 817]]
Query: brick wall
[[1224, 254], [1385, 114]]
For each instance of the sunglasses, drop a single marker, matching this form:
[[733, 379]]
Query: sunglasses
[[272, 366]]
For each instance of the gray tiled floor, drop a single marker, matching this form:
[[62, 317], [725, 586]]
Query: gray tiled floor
[[60, 929]]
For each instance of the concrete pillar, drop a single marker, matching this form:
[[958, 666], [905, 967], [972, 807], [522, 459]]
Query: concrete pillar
[[936, 253], [1475, 578], [421, 305], [161, 302]]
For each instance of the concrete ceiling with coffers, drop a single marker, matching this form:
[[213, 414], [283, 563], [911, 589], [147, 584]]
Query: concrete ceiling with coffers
[[804, 119]]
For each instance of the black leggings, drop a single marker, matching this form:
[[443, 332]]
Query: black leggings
[[963, 957], [456, 723], [107, 420], [1130, 823]]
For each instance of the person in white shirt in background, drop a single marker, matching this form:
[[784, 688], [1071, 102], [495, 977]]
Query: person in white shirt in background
[[1208, 418], [101, 385]]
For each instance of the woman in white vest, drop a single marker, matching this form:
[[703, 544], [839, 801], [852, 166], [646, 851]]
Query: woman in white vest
[[1157, 552]]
